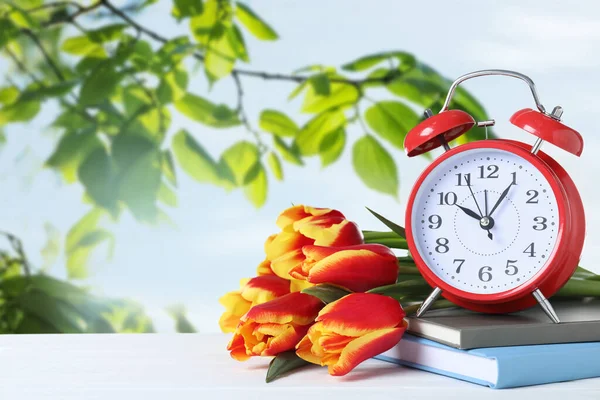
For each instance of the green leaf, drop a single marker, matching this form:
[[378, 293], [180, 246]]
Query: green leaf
[[421, 85], [193, 159], [393, 226], [106, 34], [166, 195], [255, 25], [389, 239], [174, 51], [370, 61], [79, 256], [299, 89], [321, 84], [9, 94], [83, 46], [20, 111], [314, 131], [202, 25], [72, 149], [100, 84], [173, 86], [221, 52], [239, 44], [42, 92], [241, 158], [186, 8], [97, 174], [340, 94], [51, 250], [375, 166], [256, 189], [277, 123], [138, 161], [332, 146], [289, 153], [169, 167], [327, 293], [283, 363], [8, 31], [58, 314], [391, 120], [87, 224], [203, 111], [275, 166], [398, 291], [182, 324]]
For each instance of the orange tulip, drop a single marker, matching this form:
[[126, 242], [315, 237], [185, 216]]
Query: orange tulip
[[273, 327], [253, 291], [358, 268], [351, 330], [303, 225]]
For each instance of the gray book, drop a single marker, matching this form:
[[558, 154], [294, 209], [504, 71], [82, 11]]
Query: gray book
[[462, 329]]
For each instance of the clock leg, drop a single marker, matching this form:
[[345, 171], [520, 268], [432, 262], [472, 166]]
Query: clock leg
[[546, 306], [429, 301]]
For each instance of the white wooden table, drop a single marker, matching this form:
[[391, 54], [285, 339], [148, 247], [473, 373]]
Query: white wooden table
[[198, 367]]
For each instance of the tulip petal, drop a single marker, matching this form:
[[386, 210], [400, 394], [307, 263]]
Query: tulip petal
[[330, 231], [297, 285], [297, 308], [264, 269], [357, 270], [261, 289], [299, 212], [359, 313], [283, 265], [237, 348], [303, 350], [284, 243], [285, 341], [365, 347]]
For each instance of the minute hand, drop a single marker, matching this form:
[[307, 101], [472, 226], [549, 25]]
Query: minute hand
[[502, 196]]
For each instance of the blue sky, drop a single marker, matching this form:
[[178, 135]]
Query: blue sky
[[219, 236]]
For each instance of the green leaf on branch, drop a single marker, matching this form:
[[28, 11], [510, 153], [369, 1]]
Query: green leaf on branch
[[100, 84], [186, 8], [289, 153], [327, 293], [202, 25], [339, 95], [9, 95], [393, 226], [283, 363], [314, 131], [193, 159], [391, 120], [321, 84], [332, 146], [221, 52], [97, 174], [168, 167], [201, 110], [8, 31], [255, 25], [241, 158], [406, 61], [166, 195], [277, 123], [275, 166], [106, 34], [182, 324], [173, 86], [238, 43], [83, 46], [375, 166], [20, 111], [72, 149], [256, 189]]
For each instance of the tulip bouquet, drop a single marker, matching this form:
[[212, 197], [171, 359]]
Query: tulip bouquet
[[331, 295]]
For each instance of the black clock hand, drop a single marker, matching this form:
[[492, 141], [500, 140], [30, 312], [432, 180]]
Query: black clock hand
[[502, 196], [470, 213], [474, 199]]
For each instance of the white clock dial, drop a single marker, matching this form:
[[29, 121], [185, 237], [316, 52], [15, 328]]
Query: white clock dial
[[481, 246]]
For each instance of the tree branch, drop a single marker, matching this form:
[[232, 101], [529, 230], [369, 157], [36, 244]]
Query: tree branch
[[242, 113], [47, 57], [71, 17], [131, 22], [57, 4]]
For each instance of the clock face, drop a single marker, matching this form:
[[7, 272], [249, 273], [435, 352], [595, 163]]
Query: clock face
[[485, 220]]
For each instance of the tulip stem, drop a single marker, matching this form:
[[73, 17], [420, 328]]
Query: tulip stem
[[580, 288]]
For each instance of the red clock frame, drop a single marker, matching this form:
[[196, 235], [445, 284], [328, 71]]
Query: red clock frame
[[561, 263]]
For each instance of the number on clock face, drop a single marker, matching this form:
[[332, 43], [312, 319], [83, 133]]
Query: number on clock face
[[485, 220]]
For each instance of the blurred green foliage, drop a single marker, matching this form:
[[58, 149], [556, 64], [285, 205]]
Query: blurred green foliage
[[117, 84]]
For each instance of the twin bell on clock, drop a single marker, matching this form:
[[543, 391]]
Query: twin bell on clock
[[495, 225]]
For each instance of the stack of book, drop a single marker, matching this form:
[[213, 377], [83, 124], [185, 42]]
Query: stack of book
[[504, 351]]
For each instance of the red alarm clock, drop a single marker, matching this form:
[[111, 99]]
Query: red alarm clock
[[494, 225]]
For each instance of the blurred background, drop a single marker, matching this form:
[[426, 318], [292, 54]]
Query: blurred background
[[147, 147]]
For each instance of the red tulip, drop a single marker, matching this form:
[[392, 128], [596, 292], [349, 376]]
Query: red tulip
[[258, 290], [303, 225], [273, 327], [351, 330], [358, 268]]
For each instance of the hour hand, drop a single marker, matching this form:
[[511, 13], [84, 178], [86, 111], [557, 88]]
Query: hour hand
[[470, 213]]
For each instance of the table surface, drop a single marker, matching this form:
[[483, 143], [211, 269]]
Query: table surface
[[197, 366]]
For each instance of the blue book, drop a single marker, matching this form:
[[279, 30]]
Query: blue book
[[500, 367]]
